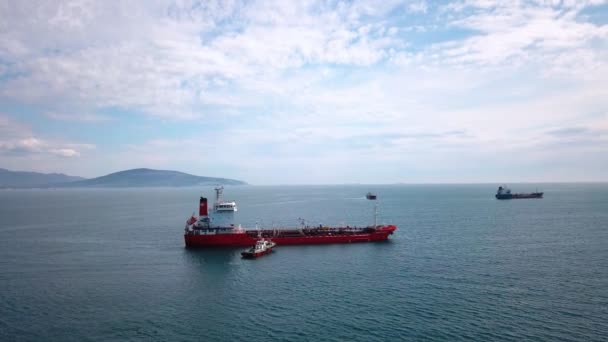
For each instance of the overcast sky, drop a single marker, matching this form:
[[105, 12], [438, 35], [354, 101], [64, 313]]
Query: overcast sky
[[308, 92]]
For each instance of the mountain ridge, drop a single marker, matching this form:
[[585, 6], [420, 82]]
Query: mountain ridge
[[28, 179], [140, 177], [144, 177]]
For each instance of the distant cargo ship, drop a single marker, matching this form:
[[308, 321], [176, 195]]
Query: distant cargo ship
[[505, 193], [199, 233]]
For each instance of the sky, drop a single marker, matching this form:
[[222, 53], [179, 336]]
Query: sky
[[308, 92]]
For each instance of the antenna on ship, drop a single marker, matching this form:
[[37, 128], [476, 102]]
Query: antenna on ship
[[258, 229], [218, 193], [375, 215]]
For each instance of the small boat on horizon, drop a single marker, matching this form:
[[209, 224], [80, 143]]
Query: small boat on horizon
[[371, 196], [505, 193], [262, 247]]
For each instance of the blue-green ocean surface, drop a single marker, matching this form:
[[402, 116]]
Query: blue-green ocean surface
[[110, 265]]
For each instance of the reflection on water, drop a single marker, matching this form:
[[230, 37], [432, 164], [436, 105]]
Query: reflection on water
[[208, 270], [209, 257]]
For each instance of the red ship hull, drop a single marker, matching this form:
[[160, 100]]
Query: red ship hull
[[532, 195], [288, 237]]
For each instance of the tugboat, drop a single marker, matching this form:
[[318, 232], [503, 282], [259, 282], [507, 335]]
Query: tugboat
[[262, 247], [370, 196], [505, 193]]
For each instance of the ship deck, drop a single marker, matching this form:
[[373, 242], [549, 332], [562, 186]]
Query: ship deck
[[222, 236]]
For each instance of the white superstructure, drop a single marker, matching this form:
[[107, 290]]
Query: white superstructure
[[220, 203]]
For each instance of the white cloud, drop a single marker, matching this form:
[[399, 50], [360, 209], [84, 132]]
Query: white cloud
[[168, 65], [171, 60], [65, 152], [314, 82], [85, 117], [18, 141], [28, 146], [517, 32], [418, 7]]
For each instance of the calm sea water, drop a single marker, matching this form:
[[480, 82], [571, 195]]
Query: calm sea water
[[107, 265]]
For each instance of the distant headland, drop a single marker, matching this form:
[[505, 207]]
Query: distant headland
[[122, 179]]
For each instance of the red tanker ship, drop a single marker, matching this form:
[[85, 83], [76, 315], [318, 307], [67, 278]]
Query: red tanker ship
[[200, 233]]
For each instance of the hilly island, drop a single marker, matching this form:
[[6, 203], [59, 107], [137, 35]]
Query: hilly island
[[129, 178]]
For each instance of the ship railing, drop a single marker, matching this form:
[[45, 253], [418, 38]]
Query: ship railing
[[211, 230], [312, 231]]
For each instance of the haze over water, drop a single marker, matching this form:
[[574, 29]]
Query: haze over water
[[78, 265]]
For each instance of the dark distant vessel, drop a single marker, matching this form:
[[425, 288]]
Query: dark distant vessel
[[200, 233], [370, 196], [505, 193], [262, 247]]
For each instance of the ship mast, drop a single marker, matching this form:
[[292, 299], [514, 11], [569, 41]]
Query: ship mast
[[375, 215], [373, 198], [218, 193]]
